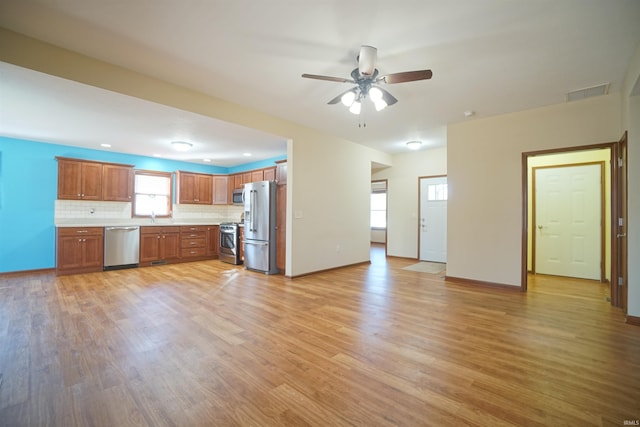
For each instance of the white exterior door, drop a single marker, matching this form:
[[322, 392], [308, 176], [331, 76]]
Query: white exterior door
[[433, 219], [568, 221]]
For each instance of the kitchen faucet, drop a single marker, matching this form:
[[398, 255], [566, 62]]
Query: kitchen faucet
[[153, 217]]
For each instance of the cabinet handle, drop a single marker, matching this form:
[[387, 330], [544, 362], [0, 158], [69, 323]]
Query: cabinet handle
[[164, 237], [158, 237], [81, 231]]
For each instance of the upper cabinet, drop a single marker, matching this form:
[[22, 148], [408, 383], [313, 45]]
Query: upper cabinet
[[89, 180], [117, 183], [220, 189], [194, 188], [79, 180]]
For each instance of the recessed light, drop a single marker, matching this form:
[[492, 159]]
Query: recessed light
[[246, 154], [181, 145], [157, 155], [469, 113], [105, 145], [206, 160], [414, 145]]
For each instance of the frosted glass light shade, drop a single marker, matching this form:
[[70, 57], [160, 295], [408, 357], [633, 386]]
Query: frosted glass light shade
[[355, 107], [348, 98]]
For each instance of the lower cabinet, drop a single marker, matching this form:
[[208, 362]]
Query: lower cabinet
[[79, 249], [159, 244], [193, 242], [213, 241]]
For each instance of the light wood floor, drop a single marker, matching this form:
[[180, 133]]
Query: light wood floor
[[212, 344]]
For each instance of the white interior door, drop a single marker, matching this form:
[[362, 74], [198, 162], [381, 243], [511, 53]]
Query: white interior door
[[568, 211], [433, 219]]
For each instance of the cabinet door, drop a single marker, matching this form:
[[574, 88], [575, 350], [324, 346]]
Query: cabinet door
[[220, 190], [204, 189], [91, 181], [238, 181], [169, 246], [246, 178], [257, 176], [149, 247], [270, 174], [117, 183], [69, 175], [213, 240], [93, 251], [281, 173], [69, 253], [186, 187]]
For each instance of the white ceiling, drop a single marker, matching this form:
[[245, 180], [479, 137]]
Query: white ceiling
[[488, 56]]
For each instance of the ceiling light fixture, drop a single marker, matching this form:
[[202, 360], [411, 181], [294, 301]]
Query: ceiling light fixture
[[181, 145], [414, 145], [105, 145]]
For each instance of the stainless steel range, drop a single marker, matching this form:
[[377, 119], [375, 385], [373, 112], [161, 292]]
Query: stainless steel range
[[229, 243]]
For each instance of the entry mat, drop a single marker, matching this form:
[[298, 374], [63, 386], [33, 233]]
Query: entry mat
[[427, 267]]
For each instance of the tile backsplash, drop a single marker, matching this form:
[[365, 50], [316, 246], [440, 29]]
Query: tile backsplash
[[82, 209]]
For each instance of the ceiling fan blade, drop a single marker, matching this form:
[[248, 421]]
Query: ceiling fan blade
[[367, 60], [328, 78], [339, 97], [407, 76], [387, 97]]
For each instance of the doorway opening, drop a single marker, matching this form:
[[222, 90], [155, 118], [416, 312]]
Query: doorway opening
[[605, 157], [378, 214]]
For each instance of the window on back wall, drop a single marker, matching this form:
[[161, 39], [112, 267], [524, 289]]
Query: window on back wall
[[152, 193], [379, 204]]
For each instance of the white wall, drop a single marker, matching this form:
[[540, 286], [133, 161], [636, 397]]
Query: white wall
[[402, 196], [485, 179]]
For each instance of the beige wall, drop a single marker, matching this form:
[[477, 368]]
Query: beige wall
[[402, 196], [485, 179], [631, 121], [329, 178]]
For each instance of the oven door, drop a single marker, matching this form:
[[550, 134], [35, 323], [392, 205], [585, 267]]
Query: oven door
[[229, 244]]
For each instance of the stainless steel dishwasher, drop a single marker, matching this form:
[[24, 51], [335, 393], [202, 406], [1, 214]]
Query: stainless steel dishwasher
[[121, 247]]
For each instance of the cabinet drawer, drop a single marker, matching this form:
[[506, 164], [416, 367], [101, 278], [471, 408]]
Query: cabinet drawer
[[193, 252], [80, 231], [158, 230], [193, 235], [192, 228], [192, 243]]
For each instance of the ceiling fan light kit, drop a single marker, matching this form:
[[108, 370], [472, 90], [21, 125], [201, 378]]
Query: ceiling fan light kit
[[366, 79]]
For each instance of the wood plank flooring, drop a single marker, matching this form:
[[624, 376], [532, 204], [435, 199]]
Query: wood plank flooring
[[211, 344]]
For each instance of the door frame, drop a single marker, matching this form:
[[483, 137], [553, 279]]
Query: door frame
[[525, 206], [619, 209], [603, 275], [420, 178]]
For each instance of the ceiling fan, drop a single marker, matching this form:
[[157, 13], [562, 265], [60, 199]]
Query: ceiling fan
[[366, 79]]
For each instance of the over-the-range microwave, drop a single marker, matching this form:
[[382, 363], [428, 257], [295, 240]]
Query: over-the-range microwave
[[237, 198]]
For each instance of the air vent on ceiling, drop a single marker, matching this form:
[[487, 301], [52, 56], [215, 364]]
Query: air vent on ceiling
[[588, 92]]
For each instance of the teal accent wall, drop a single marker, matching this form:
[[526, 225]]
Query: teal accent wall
[[28, 190], [255, 165]]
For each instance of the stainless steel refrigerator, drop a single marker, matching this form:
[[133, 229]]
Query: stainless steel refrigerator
[[260, 227]]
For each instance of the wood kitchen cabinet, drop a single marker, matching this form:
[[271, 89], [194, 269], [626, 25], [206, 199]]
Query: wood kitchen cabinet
[[193, 241], [159, 244], [241, 243], [117, 183], [79, 179], [213, 241], [220, 189], [194, 188], [79, 250], [269, 174], [281, 215]]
